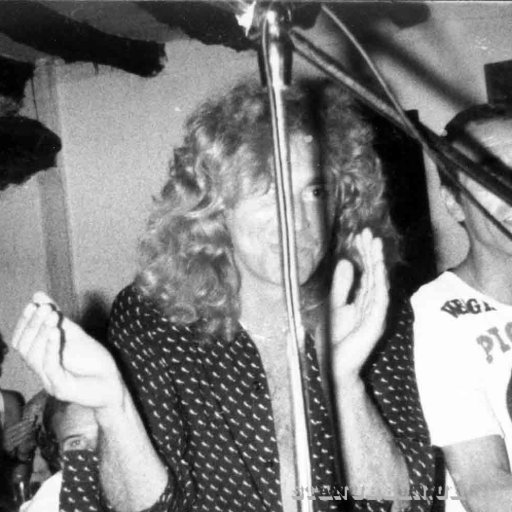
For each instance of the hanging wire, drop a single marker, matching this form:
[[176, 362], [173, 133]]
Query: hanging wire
[[410, 127], [373, 68], [501, 185]]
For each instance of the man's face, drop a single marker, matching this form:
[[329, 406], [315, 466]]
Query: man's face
[[254, 228], [496, 137], [75, 428]]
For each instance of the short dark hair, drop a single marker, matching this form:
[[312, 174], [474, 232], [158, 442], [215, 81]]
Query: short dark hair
[[47, 441], [455, 131]]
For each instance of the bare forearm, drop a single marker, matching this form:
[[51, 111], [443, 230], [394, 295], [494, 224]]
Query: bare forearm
[[371, 459], [493, 496], [132, 475]]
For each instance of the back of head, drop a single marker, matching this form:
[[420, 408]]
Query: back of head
[[460, 131]]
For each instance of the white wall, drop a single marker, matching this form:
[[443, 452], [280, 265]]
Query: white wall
[[22, 265], [22, 271], [118, 132]]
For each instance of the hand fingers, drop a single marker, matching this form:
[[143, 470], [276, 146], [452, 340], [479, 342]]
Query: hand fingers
[[363, 291], [371, 257], [41, 298], [30, 333], [342, 283], [22, 426], [19, 424], [381, 284], [366, 244], [39, 350], [374, 284], [375, 308], [18, 437], [25, 317], [377, 252], [38, 299], [14, 441], [52, 367], [10, 444], [34, 339]]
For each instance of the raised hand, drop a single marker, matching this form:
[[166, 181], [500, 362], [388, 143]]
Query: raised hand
[[356, 327], [72, 366], [21, 433]]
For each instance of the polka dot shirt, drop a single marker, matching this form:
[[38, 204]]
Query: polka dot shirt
[[208, 411]]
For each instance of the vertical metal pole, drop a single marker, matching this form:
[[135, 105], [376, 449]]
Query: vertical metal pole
[[274, 47]]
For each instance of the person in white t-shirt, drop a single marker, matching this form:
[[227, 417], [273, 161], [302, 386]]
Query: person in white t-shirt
[[463, 329]]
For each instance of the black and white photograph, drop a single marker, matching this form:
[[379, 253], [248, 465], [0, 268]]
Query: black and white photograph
[[255, 256]]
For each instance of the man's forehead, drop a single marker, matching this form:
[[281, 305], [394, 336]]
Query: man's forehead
[[494, 136]]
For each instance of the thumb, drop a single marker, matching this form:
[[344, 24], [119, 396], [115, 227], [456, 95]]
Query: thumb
[[341, 283]]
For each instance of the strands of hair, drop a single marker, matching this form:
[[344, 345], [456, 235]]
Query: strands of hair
[[187, 265]]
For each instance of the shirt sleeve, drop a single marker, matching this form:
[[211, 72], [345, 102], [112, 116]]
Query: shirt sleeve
[[392, 384], [136, 332], [132, 332], [455, 405]]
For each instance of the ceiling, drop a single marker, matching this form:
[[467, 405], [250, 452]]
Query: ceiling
[[94, 30], [131, 35], [124, 19], [119, 32], [128, 35]]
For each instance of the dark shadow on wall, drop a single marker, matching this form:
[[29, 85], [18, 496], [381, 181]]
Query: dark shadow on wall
[[404, 171], [94, 319]]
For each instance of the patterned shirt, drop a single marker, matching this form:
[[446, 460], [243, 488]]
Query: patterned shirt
[[208, 410]]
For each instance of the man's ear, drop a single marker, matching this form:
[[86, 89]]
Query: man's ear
[[452, 205]]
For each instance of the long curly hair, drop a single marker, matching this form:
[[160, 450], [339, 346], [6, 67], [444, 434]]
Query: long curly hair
[[187, 264]]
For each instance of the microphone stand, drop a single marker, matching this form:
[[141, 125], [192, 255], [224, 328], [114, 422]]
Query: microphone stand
[[277, 54]]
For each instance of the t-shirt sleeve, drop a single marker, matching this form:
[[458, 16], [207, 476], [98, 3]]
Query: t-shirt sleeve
[[135, 336], [455, 405]]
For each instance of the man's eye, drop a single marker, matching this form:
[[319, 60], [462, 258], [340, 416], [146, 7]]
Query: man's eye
[[75, 443], [316, 192]]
